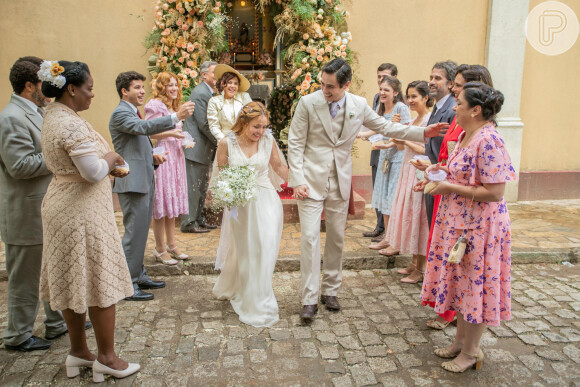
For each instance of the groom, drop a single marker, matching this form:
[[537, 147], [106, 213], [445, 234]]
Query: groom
[[323, 129]]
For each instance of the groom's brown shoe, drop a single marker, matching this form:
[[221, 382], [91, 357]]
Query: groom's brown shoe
[[308, 312], [331, 302]]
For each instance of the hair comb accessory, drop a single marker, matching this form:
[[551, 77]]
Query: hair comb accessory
[[50, 71]]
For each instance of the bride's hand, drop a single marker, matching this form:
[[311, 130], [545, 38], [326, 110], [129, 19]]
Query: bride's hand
[[301, 192]]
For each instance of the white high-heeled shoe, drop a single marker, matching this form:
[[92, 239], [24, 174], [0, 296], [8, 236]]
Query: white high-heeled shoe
[[99, 371], [158, 258], [181, 256], [73, 363]]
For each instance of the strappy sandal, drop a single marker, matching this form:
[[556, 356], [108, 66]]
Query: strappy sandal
[[413, 278], [434, 324], [408, 270], [158, 258], [388, 252], [379, 246], [445, 353], [451, 366], [172, 252]]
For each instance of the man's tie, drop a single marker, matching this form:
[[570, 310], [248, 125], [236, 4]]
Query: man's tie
[[434, 110], [40, 111], [334, 107], [139, 114]]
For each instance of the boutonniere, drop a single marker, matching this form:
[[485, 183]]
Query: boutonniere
[[351, 115]]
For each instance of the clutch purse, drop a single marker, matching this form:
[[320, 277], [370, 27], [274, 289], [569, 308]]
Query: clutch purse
[[386, 166]]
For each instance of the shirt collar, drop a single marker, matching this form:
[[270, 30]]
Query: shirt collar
[[340, 102], [28, 103], [130, 104], [442, 101], [209, 87]]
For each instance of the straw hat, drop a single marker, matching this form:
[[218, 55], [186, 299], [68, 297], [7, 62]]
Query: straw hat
[[220, 69]]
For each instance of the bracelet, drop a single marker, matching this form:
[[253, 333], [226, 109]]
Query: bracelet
[[473, 196]]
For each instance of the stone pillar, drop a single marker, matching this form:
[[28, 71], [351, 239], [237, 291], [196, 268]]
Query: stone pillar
[[504, 57]]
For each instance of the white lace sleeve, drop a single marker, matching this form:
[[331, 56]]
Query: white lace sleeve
[[91, 167]]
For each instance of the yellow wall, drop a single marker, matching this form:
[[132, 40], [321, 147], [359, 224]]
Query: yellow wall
[[105, 34], [414, 34], [550, 107]]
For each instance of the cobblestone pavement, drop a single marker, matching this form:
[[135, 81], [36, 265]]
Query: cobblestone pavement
[[544, 231], [186, 337]]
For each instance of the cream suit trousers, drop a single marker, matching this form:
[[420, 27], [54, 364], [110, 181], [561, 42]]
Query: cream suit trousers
[[335, 212]]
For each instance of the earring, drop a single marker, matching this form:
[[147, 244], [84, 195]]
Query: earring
[[473, 115]]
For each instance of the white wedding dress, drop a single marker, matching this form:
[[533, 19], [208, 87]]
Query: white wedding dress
[[249, 245]]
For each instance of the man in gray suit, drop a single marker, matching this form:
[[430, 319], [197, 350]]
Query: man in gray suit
[[24, 179], [130, 139], [440, 84], [199, 158]]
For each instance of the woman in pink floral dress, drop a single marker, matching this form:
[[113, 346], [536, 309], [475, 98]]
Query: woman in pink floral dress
[[478, 287], [170, 178]]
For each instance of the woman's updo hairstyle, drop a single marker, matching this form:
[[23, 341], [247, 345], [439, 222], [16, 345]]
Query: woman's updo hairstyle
[[422, 88], [75, 73], [479, 94], [248, 113]]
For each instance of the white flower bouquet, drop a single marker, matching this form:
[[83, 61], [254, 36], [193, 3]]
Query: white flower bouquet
[[234, 187]]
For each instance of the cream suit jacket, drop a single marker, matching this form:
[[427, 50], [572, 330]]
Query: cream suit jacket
[[312, 147]]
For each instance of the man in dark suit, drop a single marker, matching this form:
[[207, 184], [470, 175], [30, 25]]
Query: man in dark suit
[[130, 139], [378, 233], [24, 179], [440, 84], [199, 158]]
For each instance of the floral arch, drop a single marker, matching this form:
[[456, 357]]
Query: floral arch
[[308, 33]]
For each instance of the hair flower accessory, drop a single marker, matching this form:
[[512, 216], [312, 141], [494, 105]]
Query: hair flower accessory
[[50, 71]]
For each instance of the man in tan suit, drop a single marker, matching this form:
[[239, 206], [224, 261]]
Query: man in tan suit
[[323, 129]]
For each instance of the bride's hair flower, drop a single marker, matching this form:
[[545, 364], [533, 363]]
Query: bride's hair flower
[[50, 71]]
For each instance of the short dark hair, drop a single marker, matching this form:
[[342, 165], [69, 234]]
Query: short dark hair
[[482, 73], [341, 68], [479, 94], [225, 78], [124, 80], [75, 73], [389, 66], [24, 70], [449, 67]]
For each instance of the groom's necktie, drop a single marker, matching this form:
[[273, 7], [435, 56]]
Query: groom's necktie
[[334, 107]]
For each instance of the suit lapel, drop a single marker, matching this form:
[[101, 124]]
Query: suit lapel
[[33, 117], [347, 126], [323, 113]]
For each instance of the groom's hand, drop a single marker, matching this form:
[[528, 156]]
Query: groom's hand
[[301, 192], [438, 129]]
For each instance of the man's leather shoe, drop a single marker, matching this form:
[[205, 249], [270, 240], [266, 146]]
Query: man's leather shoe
[[195, 230], [378, 238], [331, 302], [140, 295], [150, 284], [372, 234], [308, 312], [88, 325], [33, 343], [209, 226]]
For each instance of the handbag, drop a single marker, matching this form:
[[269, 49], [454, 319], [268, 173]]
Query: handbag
[[386, 166], [458, 250]]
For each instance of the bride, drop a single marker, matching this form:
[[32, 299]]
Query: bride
[[249, 244]]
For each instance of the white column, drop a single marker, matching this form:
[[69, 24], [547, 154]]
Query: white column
[[505, 50]]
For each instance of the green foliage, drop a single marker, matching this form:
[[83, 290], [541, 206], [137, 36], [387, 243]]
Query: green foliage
[[152, 39], [302, 9]]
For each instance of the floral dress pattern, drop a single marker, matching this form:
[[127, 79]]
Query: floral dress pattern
[[170, 177], [479, 287]]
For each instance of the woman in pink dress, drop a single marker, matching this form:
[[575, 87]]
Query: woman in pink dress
[[472, 206], [170, 178], [408, 230]]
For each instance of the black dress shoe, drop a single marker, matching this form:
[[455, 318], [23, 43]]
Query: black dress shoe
[[140, 295], [195, 230], [308, 312], [378, 238], [33, 343], [88, 325], [209, 226], [372, 234], [331, 302], [150, 284]]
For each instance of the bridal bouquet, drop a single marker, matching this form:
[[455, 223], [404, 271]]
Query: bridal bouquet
[[234, 187]]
